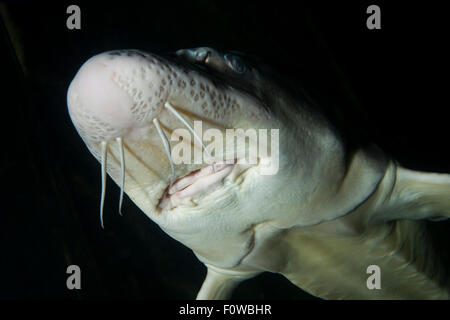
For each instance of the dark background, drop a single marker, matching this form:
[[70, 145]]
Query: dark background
[[390, 84]]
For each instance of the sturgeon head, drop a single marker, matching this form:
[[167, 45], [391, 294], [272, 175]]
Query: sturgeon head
[[167, 131]]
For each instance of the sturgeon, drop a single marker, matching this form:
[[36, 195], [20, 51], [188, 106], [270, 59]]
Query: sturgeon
[[322, 217]]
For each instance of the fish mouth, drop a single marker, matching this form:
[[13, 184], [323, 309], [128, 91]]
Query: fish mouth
[[186, 190]]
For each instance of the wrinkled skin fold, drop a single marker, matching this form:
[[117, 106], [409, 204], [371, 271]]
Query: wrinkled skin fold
[[321, 218]]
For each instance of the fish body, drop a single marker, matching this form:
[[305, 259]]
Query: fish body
[[291, 198]]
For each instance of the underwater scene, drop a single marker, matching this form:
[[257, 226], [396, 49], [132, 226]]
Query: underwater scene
[[235, 150]]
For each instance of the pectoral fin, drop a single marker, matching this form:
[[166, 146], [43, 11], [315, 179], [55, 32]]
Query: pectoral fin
[[418, 195], [219, 285]]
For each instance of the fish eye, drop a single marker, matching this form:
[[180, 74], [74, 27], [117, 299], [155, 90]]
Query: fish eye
[[235, 63]]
